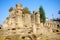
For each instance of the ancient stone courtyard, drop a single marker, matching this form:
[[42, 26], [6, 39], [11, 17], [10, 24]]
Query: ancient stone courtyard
[[26, 26]]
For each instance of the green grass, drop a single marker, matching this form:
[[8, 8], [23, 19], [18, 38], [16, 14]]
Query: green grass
[[20, 39], [2, 38], [16, 38]]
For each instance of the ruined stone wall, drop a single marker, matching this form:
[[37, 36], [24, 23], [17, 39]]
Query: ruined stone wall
[[53, 26], [20, 23], [25, 24]]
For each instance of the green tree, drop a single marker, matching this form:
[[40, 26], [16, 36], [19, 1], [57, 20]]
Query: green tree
[[42, 14], [26, 10]]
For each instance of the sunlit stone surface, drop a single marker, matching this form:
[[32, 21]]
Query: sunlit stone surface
[[27, 26]]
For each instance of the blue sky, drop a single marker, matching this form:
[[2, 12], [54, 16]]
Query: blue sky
[[50, 7]]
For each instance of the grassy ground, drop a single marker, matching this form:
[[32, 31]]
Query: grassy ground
[[44, 37], [2, 38], [12, 38]]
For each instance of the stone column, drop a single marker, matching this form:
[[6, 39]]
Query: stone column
[[36, 22], [12, 17], [37, 17], [27, 20], [33, 24], [19, 16]]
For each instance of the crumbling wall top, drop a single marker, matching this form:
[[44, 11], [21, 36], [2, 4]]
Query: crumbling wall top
[[19, 6]]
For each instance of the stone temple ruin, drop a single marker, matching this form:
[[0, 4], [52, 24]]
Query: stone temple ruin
[[27, 26]]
